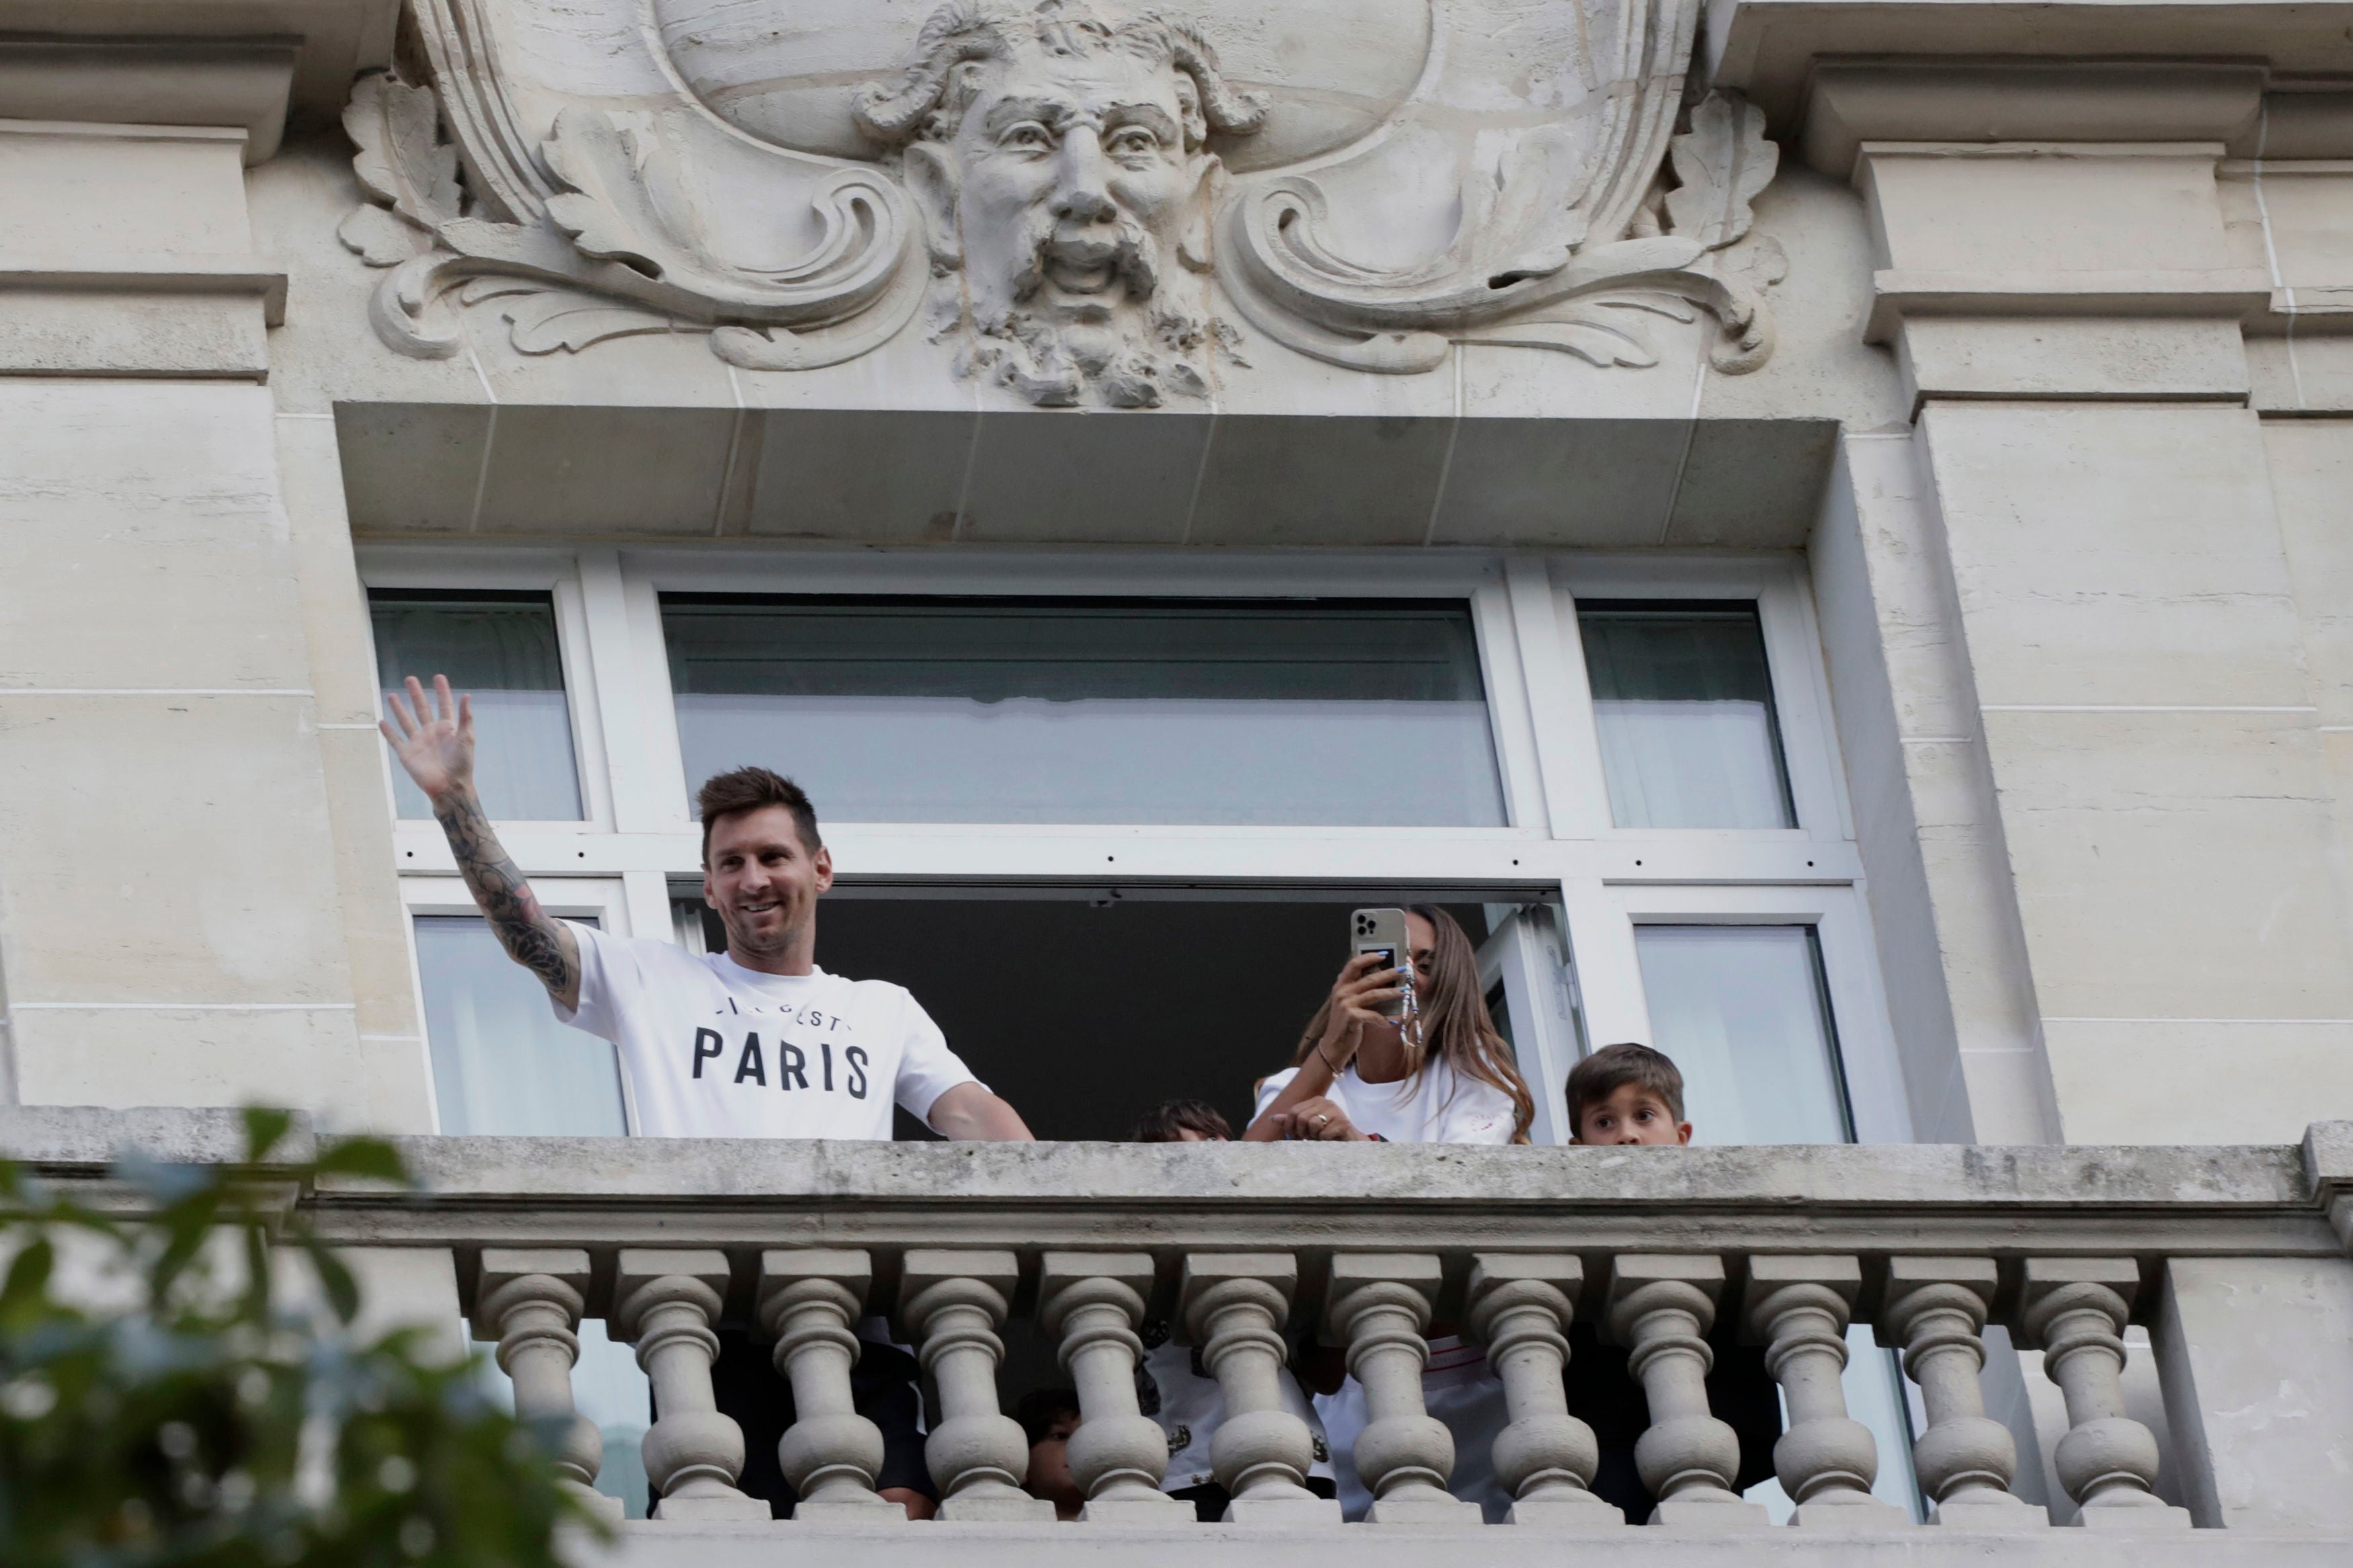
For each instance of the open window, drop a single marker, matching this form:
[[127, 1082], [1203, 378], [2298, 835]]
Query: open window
[[1086, 1007]]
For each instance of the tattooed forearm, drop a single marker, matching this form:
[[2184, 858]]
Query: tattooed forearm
[[531, 937]]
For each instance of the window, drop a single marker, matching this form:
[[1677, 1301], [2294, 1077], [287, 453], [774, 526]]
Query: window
[[1684, 701], [499, 648], [1050, 767], [1080, 710], [1741, 1009], [501, 1064]]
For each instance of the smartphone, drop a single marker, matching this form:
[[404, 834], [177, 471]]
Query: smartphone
[[1382, 932]]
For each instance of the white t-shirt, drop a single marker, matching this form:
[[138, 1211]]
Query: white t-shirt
[[1439, 1106], [716, 1050], [1192, 1408]]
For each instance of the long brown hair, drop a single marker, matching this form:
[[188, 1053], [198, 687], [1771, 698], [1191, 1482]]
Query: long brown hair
[[1455, 1024]]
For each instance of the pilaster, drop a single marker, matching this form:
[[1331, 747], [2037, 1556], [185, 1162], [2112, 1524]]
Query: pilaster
[[169, 927], [2058, 276]]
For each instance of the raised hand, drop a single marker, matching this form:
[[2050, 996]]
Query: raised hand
[[435, 743]]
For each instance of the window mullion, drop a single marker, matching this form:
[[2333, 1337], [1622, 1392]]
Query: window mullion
[[1558, 705], [634, 808], [1609, 975]]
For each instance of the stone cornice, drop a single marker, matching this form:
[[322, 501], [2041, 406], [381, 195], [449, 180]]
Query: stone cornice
[[1769, 49], [223, 62]]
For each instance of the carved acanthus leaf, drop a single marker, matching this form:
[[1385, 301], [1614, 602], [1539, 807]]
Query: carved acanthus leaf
[[377, 236], [1724, 163], [541, 323], [402, 159], [614, 251]]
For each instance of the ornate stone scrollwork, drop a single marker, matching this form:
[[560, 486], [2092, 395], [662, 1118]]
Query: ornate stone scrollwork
[[1083, 193], [1555, 248], [608, 238]]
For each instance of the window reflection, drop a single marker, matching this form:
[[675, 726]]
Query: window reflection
[[1076, 710], [1684, 705], [501, 649], [501, 1064]]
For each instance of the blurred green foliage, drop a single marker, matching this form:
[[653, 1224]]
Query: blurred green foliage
[[217, 1405]]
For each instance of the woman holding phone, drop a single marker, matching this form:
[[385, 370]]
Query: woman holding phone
[[1444, 1075], [1358, 1074]]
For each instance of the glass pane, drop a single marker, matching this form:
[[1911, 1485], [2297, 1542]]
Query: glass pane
[[500, 648], [1092, 710], [501, 1064], [608, 1388], [1684, 705], [1741, 1010]]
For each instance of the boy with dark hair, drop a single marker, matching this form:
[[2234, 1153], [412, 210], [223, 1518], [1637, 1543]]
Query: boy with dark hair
[[1182, 1121], [1626, 1094], [1049, 1417]]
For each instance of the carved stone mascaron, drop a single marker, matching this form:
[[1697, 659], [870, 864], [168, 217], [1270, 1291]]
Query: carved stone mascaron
[[1088, 202]]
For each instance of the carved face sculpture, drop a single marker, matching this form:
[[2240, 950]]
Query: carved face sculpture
[[1060, 160]]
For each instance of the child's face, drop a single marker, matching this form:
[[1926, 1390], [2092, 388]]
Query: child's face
[[1631, 1114], [1050, 1461]]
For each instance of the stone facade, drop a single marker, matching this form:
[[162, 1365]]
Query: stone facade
[[2031, 354]]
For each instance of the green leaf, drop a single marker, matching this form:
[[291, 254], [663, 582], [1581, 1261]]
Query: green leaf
[[29, 1277], [335, 1280], [371, 1157], [264, 1126]]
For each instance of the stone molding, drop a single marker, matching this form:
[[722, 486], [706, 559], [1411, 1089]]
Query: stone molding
[[233, 83], [154, 56], [1771, 50], [1891, 1198]]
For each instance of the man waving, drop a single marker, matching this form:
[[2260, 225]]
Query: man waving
[[756, 1042]]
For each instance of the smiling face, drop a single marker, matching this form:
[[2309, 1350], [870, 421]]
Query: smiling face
[[764, 884], [1076, 181]]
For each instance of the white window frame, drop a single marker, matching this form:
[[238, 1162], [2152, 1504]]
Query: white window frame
[[1602, 925], [601, 899], [520, 571], [1560, 837]]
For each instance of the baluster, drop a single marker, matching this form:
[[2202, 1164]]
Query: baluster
[[530, 1301], [1936, 1310], [2075, 1309], [1661, 1306], [1378, 1305], [1520, 1306], [954, 1303], [1093, 1301], [811, 1300], [1233, 1305], [668, 1301], [1826, 1460]]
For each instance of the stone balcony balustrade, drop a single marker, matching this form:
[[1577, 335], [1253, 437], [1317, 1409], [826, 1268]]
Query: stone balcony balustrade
[[2234, 1259]]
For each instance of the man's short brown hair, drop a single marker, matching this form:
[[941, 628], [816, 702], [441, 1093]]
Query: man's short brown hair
[[1612, 1067], [1168, 1120], [749, 789]]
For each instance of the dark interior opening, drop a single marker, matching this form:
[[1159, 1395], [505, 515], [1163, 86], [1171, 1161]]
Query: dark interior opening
[[1084, 1012]]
